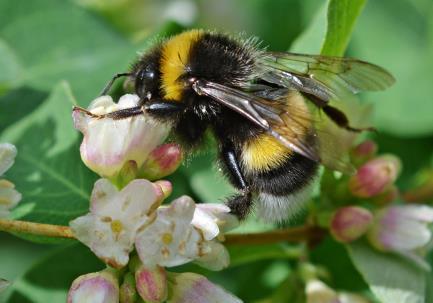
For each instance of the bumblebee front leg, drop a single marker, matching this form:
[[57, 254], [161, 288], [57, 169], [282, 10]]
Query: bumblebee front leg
[[116, 115], [240, 205], [157, 108]]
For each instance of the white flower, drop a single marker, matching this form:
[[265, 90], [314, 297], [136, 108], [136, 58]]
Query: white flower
[[109, 144], [9, 197], [401, 228], [171, 240], [182, 233], [99, 287], [114, 219], [194, 288]]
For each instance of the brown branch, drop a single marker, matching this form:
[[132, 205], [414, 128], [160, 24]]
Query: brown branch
[[310, 234], [38, 229]]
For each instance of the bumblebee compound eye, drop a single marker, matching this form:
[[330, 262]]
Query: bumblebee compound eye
[[146, 83]]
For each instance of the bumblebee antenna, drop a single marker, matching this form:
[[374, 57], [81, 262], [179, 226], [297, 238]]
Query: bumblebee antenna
[[110, 83]]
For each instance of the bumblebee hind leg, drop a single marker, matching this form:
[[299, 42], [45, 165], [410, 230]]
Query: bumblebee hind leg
[[241, 204]]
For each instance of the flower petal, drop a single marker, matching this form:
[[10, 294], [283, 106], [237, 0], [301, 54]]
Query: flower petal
[[216, 259], [8, 153], [112, 248], [213, 218], [401, 228], [9, 197], [319, 292]]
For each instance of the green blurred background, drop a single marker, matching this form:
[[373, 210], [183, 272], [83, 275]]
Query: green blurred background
[[84, 42]]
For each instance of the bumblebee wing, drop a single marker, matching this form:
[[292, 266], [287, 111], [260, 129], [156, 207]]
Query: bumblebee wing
[[255, 109], [298, 117], [322, 76], [290, 128]]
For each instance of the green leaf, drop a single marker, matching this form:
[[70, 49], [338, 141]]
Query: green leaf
[[331, 28], [429, 288], [311, 39], [391, 278], [50, 278], [342, 16], [399, 36], [243, 254], [339, 268], [48, 170], [55, 40], [11, 68], [16, 257]]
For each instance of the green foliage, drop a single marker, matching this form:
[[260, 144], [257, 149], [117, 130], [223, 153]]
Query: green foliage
[[391, 278], [399, 36], [342, 16], [49, 279], [57, 184], [54, 54]]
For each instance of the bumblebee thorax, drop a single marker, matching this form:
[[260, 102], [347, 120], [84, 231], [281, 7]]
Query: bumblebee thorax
[[198, 54]]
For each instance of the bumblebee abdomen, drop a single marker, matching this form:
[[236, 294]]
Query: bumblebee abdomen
[[264, 153]]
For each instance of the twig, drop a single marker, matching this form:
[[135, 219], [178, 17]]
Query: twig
[[297, 234], [38, 229], [304, 233]]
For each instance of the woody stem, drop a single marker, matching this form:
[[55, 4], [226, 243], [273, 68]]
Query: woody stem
[[304, 233]]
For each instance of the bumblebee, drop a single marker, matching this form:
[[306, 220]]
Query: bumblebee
[[276, 116]]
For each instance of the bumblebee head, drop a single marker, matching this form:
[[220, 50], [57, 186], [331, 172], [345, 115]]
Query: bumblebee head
[[146, 82], [147, 76]]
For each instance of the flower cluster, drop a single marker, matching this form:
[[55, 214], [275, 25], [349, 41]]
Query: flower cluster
[[128, 227], [9, 197], [162, 235], [388, 227]]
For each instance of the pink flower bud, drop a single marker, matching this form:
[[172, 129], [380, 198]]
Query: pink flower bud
[[194, 288], [162, 161], [350, 223], [151, 284], [99, 287], [128, 292], [365, 150], [375, 176]]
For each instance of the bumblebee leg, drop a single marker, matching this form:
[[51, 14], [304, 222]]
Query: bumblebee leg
[[240, 205], [116, 115], [336, 115], [164, 108], [159, 107], [110, 83], [340, 118]]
